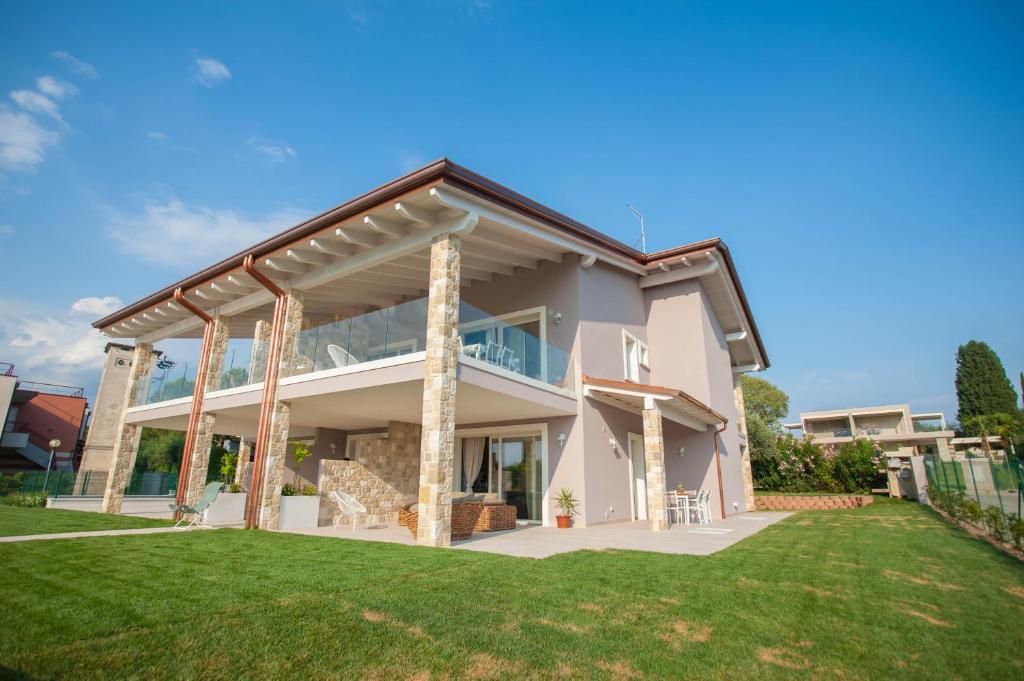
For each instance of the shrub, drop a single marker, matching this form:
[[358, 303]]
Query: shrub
[[9, 484], [35, 500], [289, 490], [855, 465], [997, 523], [1015, 527], [309, 491]]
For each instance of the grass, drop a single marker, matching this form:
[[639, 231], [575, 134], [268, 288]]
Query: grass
[[886, 590], [18, 521]]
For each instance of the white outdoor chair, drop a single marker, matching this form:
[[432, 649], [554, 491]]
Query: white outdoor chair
[[704, 507], [340, 356], [675, 504], [349, 506]]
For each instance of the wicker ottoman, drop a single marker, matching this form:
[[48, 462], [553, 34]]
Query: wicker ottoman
[[464, 519], [496, 517]]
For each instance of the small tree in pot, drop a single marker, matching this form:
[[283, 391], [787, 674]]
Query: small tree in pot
[[568, 503]]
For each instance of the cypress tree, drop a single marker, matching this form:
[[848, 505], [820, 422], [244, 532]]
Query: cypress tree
[[982, 387]]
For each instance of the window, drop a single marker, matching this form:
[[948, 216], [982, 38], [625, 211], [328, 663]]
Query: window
[[634, 354]]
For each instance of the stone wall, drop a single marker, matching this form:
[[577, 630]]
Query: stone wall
[[385, 474], [825, 502]]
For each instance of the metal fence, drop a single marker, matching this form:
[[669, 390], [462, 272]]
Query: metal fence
[[990, 482], [94, 483]]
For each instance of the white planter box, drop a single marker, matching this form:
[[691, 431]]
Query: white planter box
[[226, 509], [299, 513]]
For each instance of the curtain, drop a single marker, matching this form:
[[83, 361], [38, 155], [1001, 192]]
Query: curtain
[[472, 458]]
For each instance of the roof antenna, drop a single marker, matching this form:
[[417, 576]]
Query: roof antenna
[[643, 232]]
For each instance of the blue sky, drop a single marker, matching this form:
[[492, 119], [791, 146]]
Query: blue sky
[[863, 161]]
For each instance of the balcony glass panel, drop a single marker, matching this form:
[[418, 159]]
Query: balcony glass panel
[[393, 331], [245, 363], [173, 376]]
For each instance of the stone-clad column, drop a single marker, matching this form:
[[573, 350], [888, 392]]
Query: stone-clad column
[[260, 348], [126, 445], [437, 441], [654, 457], [242, 462], [277, 450], [277, 442], [200, 462], [741, 411]]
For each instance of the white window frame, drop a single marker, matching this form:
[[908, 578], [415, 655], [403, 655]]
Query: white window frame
[[529, 314], [642, 355]]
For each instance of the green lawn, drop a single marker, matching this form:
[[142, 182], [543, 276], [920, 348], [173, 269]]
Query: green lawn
[[17, 521], [884, 591]]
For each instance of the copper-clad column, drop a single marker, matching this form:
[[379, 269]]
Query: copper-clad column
[[197, 394], [199, 460]]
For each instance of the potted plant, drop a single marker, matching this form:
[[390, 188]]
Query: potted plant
[[568, 503], [300, 504]]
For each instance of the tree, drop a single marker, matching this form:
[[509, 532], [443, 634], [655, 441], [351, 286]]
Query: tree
[[160, 450], [764, 400], [982, 387]]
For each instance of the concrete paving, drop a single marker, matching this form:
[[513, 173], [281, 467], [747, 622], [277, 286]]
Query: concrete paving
[[534, 541], [98, 533]]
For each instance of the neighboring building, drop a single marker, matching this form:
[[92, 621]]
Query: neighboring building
[[893, 427], [35, 414], [443, 333]]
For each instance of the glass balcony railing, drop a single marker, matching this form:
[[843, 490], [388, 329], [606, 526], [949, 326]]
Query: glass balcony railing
[[513, 346], [401, 330], [169, 380], [245, 363]]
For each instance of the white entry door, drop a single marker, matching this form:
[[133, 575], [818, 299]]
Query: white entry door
[[638, 472]]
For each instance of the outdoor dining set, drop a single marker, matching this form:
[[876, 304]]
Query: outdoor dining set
[[687, 506]]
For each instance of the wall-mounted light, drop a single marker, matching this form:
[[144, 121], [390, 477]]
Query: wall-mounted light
[[613, 443], [682, 450], [561, 439], [556, 316]]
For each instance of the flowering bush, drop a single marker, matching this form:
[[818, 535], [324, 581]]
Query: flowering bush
[[783, 463]]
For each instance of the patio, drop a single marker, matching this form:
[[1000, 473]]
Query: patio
[[535, 541]]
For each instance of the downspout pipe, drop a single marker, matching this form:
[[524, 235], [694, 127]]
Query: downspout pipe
[[198, 392], [718, 467], [254, 500]]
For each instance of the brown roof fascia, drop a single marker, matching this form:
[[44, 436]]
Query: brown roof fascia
[[654, 390]]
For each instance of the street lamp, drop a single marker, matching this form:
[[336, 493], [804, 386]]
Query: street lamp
[[54, 443]]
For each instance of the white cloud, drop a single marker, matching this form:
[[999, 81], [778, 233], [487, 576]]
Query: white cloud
[[209, 72], [32, 101], [409, 161], [97, 306], [169, 232], [50, 347], [23, 142], [156, 135], [49, 85], [75, 64], [274, 152]]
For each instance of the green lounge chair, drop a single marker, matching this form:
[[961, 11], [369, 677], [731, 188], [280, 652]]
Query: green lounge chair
[[209, 494]]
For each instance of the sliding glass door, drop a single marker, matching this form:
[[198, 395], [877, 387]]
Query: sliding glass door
[[512, 466]]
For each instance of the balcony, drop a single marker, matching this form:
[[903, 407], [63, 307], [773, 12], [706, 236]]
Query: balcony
[[383, 337]]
